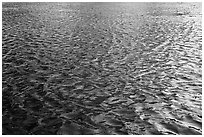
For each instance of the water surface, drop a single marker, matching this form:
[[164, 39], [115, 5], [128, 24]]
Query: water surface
[[102, 68]]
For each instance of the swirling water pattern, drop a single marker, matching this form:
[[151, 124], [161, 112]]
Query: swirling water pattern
[[102, 68]]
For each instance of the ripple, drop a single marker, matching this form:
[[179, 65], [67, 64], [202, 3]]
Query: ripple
[[130, 69]]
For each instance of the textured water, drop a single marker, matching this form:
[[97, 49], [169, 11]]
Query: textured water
[[101, 68]]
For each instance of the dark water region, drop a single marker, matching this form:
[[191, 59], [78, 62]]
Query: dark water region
[[101, 68]]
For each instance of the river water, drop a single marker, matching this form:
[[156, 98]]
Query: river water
[[102, 68]]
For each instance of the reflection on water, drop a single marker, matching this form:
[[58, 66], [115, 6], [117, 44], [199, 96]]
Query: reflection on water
[[102, 68]]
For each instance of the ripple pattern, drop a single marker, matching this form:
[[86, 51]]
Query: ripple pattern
[[101, 68]]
